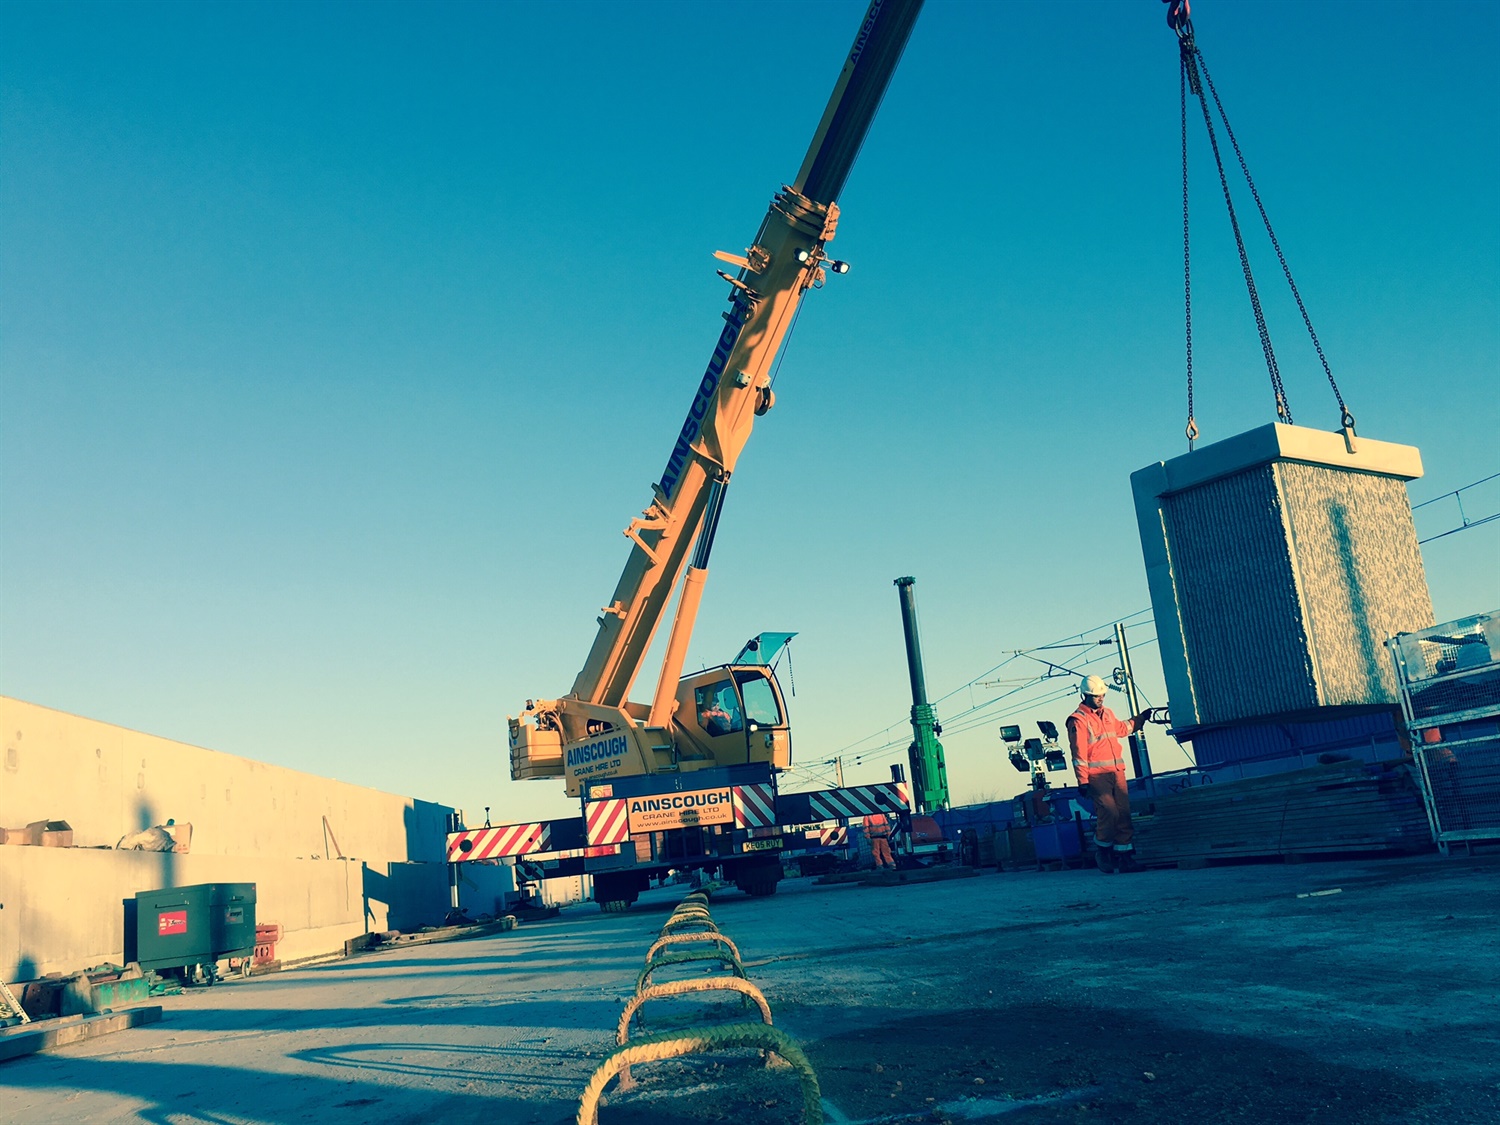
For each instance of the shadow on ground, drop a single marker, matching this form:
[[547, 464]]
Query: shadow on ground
[[1046, 1063], [176, 1093], [1129, 1069]]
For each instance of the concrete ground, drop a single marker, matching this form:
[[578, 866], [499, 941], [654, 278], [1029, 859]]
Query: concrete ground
[[1198, 996]]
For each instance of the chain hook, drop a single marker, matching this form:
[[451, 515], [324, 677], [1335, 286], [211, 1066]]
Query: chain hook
[[1179, 14], [1192, 432]]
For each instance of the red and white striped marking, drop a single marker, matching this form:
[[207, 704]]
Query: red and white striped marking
[[754, 805], [575, 853], [607, 821], [498, 842], [860, 800], [835, 837]]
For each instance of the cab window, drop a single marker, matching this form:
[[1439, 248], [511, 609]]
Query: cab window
[[719, 708], [760, 701]]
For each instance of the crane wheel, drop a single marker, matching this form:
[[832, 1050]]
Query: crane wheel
[[758, 879]]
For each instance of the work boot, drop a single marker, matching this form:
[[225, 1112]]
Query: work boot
[[1104, 856], [1126, 864]]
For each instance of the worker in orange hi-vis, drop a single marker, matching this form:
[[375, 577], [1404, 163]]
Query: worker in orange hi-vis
[[878, 831], [1094, 735]]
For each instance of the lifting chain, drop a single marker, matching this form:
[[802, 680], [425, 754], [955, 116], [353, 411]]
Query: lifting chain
[[1194, 78]]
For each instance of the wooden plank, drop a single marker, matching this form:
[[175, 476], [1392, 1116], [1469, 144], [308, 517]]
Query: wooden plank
[[44, 1035], [1345, 806]]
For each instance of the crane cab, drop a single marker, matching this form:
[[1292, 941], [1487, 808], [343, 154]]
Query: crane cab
[[732, 715]]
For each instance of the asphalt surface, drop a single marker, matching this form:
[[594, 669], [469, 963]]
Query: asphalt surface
[[1208, 997]]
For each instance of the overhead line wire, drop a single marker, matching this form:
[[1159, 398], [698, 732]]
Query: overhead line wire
[[972, 720], [1014, 656]]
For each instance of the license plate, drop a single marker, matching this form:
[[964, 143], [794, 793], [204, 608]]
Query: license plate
[[771, 845]]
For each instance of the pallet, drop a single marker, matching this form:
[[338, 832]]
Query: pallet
[[1328, 809]]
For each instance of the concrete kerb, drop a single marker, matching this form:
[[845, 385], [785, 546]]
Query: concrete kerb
[[672, 1045]]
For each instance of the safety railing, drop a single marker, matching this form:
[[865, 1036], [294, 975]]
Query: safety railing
[[1449, 676]]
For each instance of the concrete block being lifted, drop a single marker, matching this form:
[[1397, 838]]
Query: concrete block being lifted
[[1278, 562]]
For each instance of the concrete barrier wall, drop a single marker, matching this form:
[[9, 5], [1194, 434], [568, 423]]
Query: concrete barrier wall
[[64, 908], [107, 781], [61, 909]]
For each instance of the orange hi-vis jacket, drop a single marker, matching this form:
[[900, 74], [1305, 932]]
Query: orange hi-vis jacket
[[1094, 737], [877, 827]]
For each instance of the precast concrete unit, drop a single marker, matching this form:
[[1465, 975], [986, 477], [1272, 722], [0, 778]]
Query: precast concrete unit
[[1278, 562]]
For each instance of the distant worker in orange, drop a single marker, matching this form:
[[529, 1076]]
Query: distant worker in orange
[[1094, 736], [878, 831]]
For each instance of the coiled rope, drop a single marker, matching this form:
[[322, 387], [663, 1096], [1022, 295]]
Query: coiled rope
[[673, 1045], [774, 1043], [681, 939], [681, 988]]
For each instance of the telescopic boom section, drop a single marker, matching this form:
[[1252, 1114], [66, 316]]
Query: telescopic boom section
[[856, 96], [786, 260]]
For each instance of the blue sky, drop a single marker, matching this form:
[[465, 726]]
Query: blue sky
[[339, 342]]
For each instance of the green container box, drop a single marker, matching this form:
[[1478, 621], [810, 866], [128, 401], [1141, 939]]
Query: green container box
[[172, 927], [181, 927], [232, 919]]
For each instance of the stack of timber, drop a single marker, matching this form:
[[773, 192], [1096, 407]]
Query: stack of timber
[[1350, 806]]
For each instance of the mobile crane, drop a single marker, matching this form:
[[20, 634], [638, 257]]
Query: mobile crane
[[690, 779]]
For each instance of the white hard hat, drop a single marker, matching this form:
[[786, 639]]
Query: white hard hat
[[1092, 685]]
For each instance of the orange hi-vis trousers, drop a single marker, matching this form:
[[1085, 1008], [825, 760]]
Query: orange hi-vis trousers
[[1112, 807]]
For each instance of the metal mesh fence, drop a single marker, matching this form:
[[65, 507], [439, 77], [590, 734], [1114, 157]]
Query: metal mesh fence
[[1457, 693], [1463, 784], [1450, 683]]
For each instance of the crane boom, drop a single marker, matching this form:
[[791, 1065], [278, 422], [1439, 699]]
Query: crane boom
[[691, 780], [786, 259], [733, 717]]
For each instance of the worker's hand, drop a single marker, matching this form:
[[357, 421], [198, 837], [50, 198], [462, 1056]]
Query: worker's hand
[[1142, 719]]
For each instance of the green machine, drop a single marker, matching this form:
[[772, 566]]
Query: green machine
[[188, 930], [929, 772]]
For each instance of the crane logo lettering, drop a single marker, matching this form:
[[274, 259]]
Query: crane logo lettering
[[605, 748], [709, 386], [864, 33], [681, 810]]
